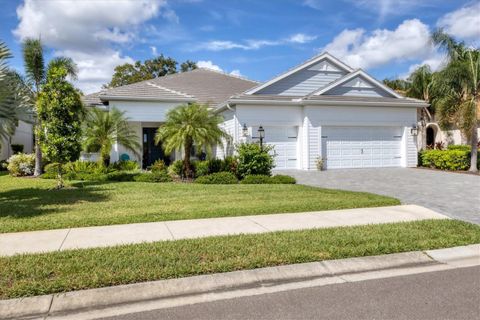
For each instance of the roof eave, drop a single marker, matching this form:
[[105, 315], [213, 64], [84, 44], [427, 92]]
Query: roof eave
[[365, 103]]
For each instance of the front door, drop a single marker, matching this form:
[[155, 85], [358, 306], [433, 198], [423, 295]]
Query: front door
[[151, 151]]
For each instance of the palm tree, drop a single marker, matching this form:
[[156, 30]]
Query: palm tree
[[105, 128], [14, 103], [36, 71], [421, 82], [188, 125], [457, 90]]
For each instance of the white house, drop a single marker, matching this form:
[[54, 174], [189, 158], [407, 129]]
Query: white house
[[324, 109], [23, 136], [319, 109]]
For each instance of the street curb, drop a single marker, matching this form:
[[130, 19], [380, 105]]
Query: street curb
[[76, 301]]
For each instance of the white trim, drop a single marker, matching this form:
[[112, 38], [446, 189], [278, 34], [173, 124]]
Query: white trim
[[127, 98], [329, 103], [358, 72], [304, 65]]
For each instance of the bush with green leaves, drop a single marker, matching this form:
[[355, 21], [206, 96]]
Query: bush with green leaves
[[84, 167], [282, 179], [264, 179], [201, 168], [230, 164], [122, 176], [445, 159], [218, 178], [252, 159], [125, 165], [175, 169], [462, 147], [159, 166], [153, 177], [3, 165], [21, 164]]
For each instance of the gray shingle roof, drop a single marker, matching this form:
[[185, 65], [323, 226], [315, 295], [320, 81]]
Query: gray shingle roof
[[201, 85]]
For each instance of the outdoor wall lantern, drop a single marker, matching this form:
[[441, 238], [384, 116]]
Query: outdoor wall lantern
[[414, 130], [245, 130]]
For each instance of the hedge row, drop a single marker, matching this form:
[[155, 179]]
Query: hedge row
[[451, 159]]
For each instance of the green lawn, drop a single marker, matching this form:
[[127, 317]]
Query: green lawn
[[29, 204], [36, 274]]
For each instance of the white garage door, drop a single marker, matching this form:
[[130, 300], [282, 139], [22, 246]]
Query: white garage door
[[284, 141], [362, 147]]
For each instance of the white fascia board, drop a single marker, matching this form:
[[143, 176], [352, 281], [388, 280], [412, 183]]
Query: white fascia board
[[364, 103], [358, 72], [304, 65], [127, 98]]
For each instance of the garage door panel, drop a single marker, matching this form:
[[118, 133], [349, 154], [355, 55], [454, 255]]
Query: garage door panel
[[284, 143], [362, 147]]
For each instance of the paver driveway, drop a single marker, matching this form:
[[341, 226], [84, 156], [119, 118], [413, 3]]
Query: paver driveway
[[453, 194]]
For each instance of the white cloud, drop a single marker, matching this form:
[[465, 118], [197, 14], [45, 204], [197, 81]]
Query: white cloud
[[208, 65], [301, 38], [86, 30], [154, 50], [254, 44], [463, 23], [409, 41], [236, 72]]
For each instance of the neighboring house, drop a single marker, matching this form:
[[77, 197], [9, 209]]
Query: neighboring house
[[146, 103], [324, 109], [23, 136]]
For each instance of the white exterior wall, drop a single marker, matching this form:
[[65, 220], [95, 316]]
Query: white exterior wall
[[310, 119], [144, 110], [23, 135]]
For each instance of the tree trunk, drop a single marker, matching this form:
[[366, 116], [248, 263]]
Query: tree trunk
[[60, 183], [187, 168], [474, 153], [38, 152], [106, 160]]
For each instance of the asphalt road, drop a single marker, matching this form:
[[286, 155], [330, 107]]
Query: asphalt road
[[453, 294]]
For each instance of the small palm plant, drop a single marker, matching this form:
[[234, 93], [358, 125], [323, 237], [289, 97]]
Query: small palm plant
[[105, 128], [189, 125]]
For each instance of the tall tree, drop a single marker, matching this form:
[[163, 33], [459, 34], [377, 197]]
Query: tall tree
[[35, 71], [457, 88], [149, 69], [105, 128], [189, 125], [14, 99], [60, 111]]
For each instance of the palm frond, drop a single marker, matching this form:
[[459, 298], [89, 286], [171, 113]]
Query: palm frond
[[34, 61]]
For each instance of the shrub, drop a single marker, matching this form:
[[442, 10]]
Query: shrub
[[445, 159], [230, 164], [17, 148], [125, 165], [253, 160], [461, 147], [159, 166], [202, 168], [121, 176], [264, 179], [283, 179], [175, 170], [215, 165], [218, 178], [21, 164], [256, 179], [83, 167], [153, 177]]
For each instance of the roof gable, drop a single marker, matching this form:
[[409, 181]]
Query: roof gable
[[324, 63], [357, 83]]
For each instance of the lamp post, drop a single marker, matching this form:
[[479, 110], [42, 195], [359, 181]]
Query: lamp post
[[245, 130], [261, 136]]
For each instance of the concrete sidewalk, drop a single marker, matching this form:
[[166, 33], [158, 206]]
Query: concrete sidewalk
[[75, 238]]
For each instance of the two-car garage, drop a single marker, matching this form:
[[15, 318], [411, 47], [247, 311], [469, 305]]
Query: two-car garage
[[341, 147]]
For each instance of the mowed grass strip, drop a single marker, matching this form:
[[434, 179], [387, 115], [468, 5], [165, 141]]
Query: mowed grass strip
[[28, 204], [27, 275]]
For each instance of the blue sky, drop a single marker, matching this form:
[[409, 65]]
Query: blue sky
[[255, 39]]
